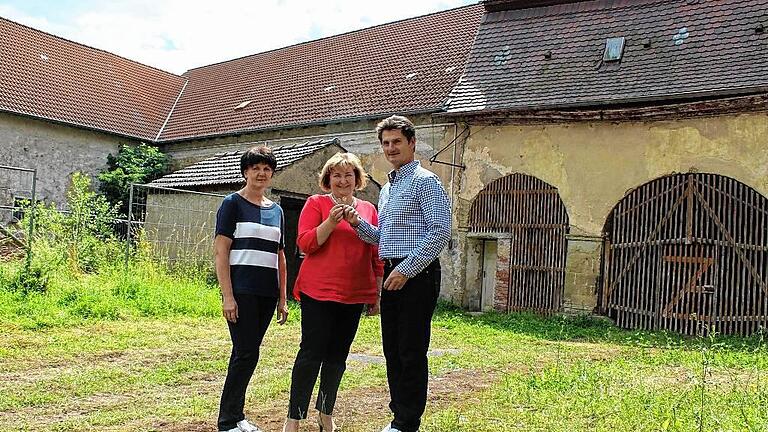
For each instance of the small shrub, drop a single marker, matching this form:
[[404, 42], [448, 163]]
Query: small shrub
[[133, 164], [31, 279]]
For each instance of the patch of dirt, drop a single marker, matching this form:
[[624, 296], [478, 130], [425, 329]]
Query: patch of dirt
[[363, 409]]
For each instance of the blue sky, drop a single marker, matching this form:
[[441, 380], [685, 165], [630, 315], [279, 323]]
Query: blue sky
[[177, 35]]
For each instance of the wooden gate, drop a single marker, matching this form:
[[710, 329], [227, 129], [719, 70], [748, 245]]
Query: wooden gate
[[530, 213], [688, 253]]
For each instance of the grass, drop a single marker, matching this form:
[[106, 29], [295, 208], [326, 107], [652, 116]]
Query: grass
[[147, 350], [496, 373]]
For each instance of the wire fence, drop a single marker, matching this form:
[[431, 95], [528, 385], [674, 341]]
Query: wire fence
[[171, 226], [17, 196]]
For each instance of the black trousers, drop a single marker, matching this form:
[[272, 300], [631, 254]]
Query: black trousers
[[406, 317], [327, 331], [255, 314]]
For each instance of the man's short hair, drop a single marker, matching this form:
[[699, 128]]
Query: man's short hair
[[397, 122], [343, 160], [257, 155]]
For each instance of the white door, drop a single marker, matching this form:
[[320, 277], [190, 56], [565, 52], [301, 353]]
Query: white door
[[489, 275]]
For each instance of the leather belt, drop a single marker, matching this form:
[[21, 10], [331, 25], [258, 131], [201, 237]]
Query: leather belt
[[391, 262]]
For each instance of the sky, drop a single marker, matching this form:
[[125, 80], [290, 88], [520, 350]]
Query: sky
[[178, 35]]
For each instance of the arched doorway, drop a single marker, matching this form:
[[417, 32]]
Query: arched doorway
[[688, 253], [529, 220]]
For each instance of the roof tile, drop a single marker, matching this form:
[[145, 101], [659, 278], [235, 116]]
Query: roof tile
[[507, 69], [48, 77], [224, 168], [356, 74]]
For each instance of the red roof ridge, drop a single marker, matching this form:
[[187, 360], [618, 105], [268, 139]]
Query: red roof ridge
[[473, 5], [170, 111]]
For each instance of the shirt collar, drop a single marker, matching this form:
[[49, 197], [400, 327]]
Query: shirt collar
[[404, 171]]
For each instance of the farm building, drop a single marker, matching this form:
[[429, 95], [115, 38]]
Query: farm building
[[615, 159], [602, 156]]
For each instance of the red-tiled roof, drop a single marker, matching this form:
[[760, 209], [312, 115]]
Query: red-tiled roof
[[548, 57], [52, 78], [224, 168], [405, 67]]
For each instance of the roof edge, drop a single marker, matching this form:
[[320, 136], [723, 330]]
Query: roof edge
[[297, 125], [627, 102], [78, 125], [703, 106], [502, 5]]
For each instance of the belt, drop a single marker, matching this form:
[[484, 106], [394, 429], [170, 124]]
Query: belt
[[391, 262]]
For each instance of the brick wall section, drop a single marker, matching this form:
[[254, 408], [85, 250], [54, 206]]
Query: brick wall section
[[501, 294]]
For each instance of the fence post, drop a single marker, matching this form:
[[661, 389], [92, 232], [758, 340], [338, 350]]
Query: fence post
[[33, 211], [128, 230]]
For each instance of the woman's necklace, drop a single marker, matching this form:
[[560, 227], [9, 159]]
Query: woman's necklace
[[343, 200]]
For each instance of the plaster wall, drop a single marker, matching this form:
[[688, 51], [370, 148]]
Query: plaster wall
[[55, 151], [593, 165]]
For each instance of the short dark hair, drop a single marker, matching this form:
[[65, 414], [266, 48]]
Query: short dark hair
[[257, 155], [397, 122]]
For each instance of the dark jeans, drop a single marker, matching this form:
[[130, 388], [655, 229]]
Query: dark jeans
[[255, 314], [327, 331], [406, 317]]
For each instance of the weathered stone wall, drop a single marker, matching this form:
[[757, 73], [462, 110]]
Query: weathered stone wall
[[593, 165], [301, 177], [55, 151]]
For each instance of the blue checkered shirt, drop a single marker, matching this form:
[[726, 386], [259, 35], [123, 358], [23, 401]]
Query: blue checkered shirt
[[414, 219]]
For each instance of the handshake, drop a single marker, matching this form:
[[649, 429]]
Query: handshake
[[345, 212]]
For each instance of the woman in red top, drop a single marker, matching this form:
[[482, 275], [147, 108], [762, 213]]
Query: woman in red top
[[340, 274]]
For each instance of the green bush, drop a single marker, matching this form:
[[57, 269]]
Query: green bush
[[29, 279], [81, 238], [133, 164]]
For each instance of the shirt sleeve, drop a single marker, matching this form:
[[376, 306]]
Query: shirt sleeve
[[310, 218], [434, 204], [282, 228], [367, 232], [226, 218], [376, 262]]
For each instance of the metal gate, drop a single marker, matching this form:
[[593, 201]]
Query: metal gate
[[530, 213], [17, 210], [173, 226], [688, 253]]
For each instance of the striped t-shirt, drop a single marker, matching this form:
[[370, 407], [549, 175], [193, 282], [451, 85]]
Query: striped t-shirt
[[257, 236]]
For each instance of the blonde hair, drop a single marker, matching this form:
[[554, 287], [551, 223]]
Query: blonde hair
[[343, 160]]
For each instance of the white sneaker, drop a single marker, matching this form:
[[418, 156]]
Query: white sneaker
[[234, 429], [389, 428], [245, 426]]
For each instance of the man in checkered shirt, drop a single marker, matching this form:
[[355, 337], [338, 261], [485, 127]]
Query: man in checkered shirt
[[414, 226]]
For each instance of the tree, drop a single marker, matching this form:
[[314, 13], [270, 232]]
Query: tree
[[133, 164]]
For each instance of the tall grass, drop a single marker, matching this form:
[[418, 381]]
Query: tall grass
[[78, 272]]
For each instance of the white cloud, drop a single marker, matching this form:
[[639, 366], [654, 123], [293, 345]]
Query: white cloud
[[177, 35]]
